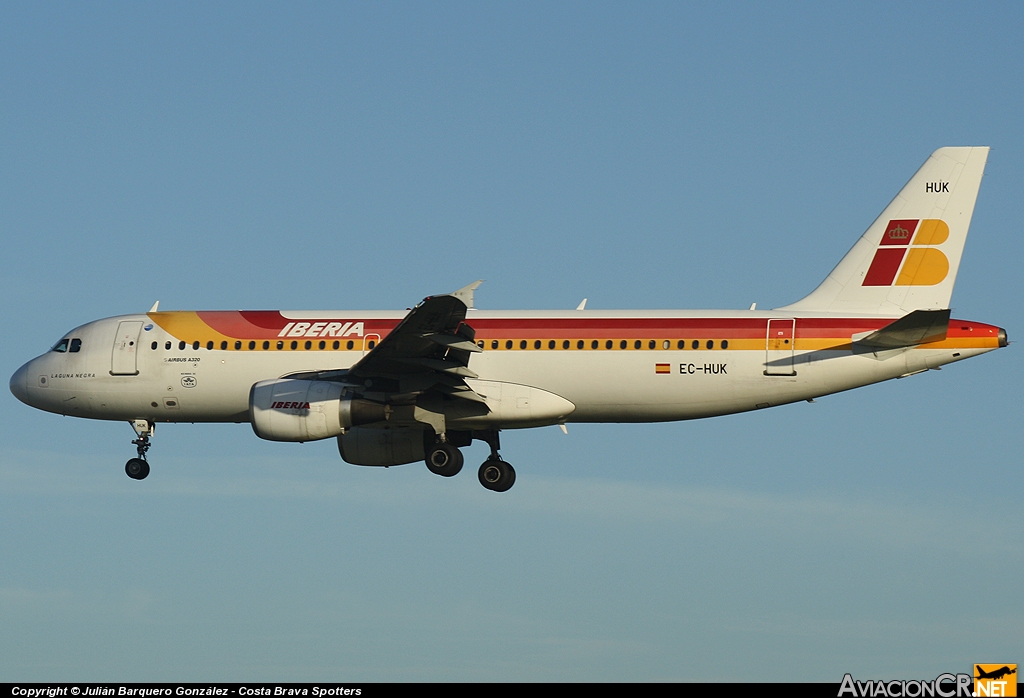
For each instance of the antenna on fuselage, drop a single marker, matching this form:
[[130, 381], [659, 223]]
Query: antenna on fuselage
[[155, 307], [582, 305]]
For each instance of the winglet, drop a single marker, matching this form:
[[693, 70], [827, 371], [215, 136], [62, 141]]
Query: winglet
[[155, 307], [465, 294]]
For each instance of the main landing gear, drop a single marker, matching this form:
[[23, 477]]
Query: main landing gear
[[445, 459], [138, 468]]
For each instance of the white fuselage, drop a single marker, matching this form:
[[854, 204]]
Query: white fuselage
[[174, 384]]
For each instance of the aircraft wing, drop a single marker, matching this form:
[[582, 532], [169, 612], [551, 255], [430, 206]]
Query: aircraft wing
[[428, 350]]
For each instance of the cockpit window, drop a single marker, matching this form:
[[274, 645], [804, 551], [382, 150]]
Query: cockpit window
[[76, 345], [61, 346]]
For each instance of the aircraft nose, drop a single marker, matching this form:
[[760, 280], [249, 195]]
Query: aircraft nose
[[19, 384]]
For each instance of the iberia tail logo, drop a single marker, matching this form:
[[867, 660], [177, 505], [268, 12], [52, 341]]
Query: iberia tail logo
[[908, 247]]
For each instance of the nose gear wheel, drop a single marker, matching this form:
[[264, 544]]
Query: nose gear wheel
[[138, 468]]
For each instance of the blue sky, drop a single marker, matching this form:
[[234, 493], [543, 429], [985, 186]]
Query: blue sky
[[362, 156]]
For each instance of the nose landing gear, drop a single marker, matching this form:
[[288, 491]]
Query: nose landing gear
[[138, 468]]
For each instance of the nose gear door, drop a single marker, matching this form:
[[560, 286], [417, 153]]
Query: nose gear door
[[126, 345]]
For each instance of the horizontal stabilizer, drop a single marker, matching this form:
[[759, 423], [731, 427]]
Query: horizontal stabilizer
[[919, 327]]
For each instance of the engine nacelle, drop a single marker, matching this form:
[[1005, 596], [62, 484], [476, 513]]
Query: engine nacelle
[[302, 410], [368, 446]]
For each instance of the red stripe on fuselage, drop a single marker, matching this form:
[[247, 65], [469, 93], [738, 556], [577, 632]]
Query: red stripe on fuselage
[[266, 324]]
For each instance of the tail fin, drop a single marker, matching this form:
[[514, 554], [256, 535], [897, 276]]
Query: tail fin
[[908, 259]]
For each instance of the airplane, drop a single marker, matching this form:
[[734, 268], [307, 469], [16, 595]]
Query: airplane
[[995, 674], [396, 388]]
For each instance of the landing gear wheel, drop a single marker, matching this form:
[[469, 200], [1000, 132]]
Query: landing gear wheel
[[136, 469], [444, 459], [497, 475]]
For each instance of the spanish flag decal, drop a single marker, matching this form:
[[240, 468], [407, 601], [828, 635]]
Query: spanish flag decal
[[663, 368]]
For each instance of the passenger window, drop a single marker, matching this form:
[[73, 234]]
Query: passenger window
[[209, 345], [167, 345], [593, 344], [266, 345], [195, 344], [61, 346], [480, 344], [323, 344], [280, 345], [682, 344], [181, 346], [252, 345], [551, 344], [372, 344], [608, 344], [622, 344], [153, 346], [494, 344], [711, 344], [696, 344], [238, 345], [508, 344], [522, 344], [335, 344], [666, 344], [725, 343], [579, 344], [349, 344], [308, 344], [295, 344], [536, 344]]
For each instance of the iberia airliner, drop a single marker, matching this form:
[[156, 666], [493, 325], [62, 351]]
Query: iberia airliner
[[396, 388]]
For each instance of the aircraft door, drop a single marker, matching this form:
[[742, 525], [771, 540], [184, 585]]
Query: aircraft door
[[780, 346], [126, 345]]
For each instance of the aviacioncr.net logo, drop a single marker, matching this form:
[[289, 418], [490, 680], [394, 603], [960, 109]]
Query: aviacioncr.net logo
[[943, 686]]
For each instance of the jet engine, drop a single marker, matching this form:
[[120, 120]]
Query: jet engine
[[302, 410]]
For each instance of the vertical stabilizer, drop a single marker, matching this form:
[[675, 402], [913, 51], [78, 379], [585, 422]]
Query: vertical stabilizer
[[908, 259]]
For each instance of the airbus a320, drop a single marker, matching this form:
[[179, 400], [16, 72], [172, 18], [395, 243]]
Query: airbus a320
[[396, 388]]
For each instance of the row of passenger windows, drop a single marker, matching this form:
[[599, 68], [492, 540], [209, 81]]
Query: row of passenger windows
[[608, 344], [265, 345], [495, 344]]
